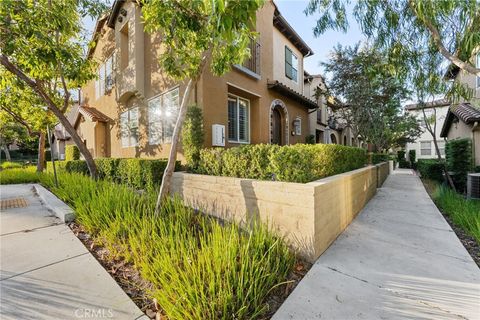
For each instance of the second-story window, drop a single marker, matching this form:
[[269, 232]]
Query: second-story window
[[104, 82], [291, 64], [162, 115]]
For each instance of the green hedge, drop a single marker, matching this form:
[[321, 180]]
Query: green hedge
[[412, 155], [136, 173], [72, 153], [431, 169], [459, 161], [293, 163], [379, 157]]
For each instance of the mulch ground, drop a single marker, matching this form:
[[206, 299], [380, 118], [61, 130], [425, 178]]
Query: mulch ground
[[469, 242], [137, 288]]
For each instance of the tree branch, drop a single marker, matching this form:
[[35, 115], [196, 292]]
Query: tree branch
[[435, 34], [21, 121]]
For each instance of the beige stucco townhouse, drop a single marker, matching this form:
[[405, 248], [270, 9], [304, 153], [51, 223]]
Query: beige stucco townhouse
[[130, 110], [463, 118]]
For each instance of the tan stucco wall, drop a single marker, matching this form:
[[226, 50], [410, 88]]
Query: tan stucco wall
[[461, 130], [279, 43], [309, 215]]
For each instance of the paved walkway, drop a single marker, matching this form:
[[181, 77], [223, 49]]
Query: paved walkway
[[46, 272], [399, 259]]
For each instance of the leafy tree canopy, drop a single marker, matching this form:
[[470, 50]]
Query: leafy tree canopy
[[190, 29], [371, 95]]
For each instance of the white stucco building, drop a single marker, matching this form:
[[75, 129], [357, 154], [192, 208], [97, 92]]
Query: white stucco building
[[424, 146]]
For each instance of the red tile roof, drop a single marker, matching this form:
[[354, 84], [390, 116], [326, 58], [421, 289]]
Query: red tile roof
[[93, 114], [463, 111]]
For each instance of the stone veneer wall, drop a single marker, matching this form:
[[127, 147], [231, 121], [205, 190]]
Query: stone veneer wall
[[309, 215]]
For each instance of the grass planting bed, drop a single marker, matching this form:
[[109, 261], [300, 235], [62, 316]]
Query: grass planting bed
[[181, 263], [463, 215]]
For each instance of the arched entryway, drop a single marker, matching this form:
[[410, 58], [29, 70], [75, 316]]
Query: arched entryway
[[278, 122], [344, 140], [333, 138]]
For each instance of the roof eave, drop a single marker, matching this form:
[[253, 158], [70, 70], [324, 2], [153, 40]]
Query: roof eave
[[286, 29], [290, 93]]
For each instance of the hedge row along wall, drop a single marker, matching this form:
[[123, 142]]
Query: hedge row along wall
[[309, 215], [294, 163], [136, 173]]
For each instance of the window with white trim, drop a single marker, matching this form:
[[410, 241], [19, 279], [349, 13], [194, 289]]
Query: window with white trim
[[162, 116], [104, 81], [297, 126], [129, 127], [291, 64], [441, 147], [426, 148], [238, 119], [478, 66]]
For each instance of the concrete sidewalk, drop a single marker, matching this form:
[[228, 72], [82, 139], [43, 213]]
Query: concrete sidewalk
[[46, 272], [399, 259]]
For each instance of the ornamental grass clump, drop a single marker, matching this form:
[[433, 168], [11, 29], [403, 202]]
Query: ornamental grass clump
[[200, 268], [24, 175], [463, 212]]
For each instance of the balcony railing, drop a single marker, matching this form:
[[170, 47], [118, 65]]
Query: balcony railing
[[253, 63]]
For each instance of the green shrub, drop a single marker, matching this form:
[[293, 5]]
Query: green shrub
[[11, 165], [59, 166], [402, 162], [20, 175], [310, 139], [198, 266], [76, 166], [459, 161], [476, 169], [464, 213], [48, 155], [293, 163], [141, 173], [431, 169], [193, 136], [412, 157], [379, 157], [107, 168], [72, 153]]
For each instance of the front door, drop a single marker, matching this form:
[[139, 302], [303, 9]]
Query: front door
[[276, 127]]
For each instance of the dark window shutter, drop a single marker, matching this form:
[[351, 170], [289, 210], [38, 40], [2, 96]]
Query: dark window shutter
[[288, 62]]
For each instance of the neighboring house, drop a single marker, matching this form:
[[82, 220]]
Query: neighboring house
[[463, 119], [130, 110], [424, 146], [324, 123]]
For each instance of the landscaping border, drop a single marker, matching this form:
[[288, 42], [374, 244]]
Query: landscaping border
[[310, 216]]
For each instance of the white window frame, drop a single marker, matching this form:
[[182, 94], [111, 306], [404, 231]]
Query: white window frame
[[162, 139], [294, 79], [131, 141], [102, 84], [297, 126], [238, 98], [478, 66], [429, 149], [441, 147]]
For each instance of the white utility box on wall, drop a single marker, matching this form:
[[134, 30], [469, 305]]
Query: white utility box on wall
[[218, 135]]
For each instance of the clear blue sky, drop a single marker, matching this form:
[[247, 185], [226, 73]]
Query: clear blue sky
[[292, 10]]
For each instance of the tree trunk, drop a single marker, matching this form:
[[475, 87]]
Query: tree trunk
[[41, 152], [172, 158], [7, 152], [56, 111]]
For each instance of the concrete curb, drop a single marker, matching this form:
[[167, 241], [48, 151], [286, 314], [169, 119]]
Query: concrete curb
[[61, 210]]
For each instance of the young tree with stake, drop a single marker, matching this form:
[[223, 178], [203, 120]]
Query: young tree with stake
[[196, 35]]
